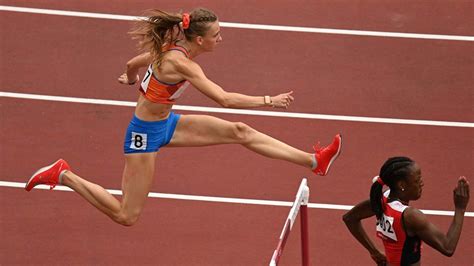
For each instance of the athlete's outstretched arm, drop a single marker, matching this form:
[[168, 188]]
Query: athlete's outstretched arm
[[133, 66], [193, 73], [352, 219], [417, 223]]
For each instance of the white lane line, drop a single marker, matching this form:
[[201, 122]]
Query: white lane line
[[249, 26], [67, 13], [244, 111], [225, 200]]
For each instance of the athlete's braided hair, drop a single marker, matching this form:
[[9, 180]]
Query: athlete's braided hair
[[393, 170], [161, 28], [200, 19]]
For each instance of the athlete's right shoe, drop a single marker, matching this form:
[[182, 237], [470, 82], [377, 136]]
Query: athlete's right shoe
[[48, 175], [327, 155]]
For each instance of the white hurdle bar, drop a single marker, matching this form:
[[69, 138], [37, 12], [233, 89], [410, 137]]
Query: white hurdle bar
[[300, 203]]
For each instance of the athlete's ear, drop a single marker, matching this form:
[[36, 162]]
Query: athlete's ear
[[400, 185], [199, 40]]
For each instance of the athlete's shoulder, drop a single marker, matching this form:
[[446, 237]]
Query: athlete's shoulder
[[176, 60], [412, 212], [187, 67], [414, 219]]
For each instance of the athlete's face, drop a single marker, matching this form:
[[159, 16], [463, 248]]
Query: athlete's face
[[212, 37], [414, 183]]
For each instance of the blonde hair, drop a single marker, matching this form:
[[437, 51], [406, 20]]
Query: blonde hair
[[160, 29]]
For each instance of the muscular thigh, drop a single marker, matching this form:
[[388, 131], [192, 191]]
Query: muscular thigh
[[202, 130], [137, 180]]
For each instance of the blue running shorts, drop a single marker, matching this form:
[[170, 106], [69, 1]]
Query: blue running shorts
[[144, 136]]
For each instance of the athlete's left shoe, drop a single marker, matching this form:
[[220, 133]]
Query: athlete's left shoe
[[48, 175], [327, 155]]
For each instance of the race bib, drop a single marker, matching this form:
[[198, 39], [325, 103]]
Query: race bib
[[138, 141], [146, 79], [385, 227]]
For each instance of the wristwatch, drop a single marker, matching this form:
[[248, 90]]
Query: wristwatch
[[267, 100]]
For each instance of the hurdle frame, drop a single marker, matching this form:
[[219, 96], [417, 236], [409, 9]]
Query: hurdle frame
[[301, 203]]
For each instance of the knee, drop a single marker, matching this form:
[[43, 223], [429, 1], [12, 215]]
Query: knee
[[127, 219], [242, 132]]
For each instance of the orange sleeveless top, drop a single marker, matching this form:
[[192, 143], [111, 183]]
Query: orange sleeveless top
[[158, 91]]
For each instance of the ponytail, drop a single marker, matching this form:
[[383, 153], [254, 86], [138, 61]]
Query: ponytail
[[376, 195], [155, 31], [161, 28]]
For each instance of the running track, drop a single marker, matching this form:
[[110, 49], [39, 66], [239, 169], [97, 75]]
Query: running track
[[341, 75]]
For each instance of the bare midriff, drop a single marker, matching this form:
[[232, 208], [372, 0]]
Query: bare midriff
[[150, 111]]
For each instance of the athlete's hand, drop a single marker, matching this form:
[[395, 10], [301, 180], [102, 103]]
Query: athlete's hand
[[124, 79], [283, 100], [379, 258], [461, 194]]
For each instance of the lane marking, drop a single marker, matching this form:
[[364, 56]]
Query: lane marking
[[248, 26], [243, 111], [226, 200]]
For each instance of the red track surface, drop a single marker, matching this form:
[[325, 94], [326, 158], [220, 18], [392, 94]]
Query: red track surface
[[330, 74]]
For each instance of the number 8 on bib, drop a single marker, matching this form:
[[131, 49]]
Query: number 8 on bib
[[138, 141]]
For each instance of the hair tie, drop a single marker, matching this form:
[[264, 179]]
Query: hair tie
[[186, 20], [378, 180]]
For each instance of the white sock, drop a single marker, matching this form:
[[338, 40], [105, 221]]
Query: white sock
[[60, 179], [315, 163]]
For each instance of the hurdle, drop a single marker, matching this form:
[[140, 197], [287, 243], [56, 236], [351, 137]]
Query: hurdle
[[300, 203]]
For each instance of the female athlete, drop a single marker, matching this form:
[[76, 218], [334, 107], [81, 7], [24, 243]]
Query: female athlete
[[170, 43], [401, 227]]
